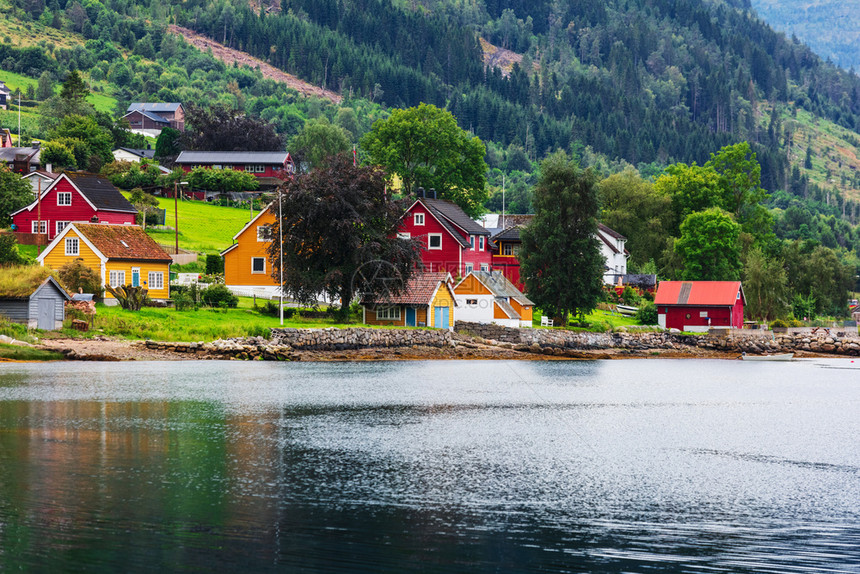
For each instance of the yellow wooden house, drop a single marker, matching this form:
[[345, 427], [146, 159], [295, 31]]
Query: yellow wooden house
[[247, 269], [120, 254], [427, 301]]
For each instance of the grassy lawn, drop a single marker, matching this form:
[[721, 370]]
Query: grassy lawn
[[18, 353], [205, 324], [598, 319], [203, 227]]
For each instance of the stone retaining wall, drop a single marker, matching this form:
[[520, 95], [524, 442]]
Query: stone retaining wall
[[334, 339]]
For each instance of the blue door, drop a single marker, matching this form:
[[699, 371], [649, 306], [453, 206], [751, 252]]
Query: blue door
[[440, 318], [410, 316], [135, 277]]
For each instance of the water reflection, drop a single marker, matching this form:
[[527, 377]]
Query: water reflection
[[442, 466]]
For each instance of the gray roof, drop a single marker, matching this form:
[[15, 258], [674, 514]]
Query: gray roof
[[146, 153], [7, 154], [156, 107], [453, 213], [509, 234], [154, 117], [100, 192], [501, 287], [4, 89], [503, 304], [233, 157]]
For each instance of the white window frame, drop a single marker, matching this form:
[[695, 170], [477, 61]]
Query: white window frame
[[253, 272], [507, 249], [67, 195], [261, 229], [469, 268], [60, 225], [116, 278], [472, 242], [404, 235], [481, 242], [156, 280], [388, 313], [73, 246], [485, 267], [418, 218], [259, 168], [39, 226], [430, 237]]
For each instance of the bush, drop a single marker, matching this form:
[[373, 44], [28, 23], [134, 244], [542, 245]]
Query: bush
[[9, 254], [219, 296], [630, 296], [647, 313], [271, 309], [214, 264], [778, 323], [76, 276]]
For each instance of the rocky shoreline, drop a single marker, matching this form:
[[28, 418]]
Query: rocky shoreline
[[358, 344]]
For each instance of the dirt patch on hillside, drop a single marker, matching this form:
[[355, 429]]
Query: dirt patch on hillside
[[229, 56], [495, 57]]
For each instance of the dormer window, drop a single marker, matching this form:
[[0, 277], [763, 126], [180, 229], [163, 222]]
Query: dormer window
[[64, 198]]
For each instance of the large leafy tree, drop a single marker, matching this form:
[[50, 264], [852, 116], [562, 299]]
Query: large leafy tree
[[709, 246], [15, 193], [318, 141], [631, 206], [220, 128], [765, 286], [560, 258], [71, 101], [425, 147], [222, 179], [740, 183], [339, 233], [91, 143]]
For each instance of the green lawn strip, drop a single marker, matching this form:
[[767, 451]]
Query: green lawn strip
[[595, 318], [203, 227], [19, 353]]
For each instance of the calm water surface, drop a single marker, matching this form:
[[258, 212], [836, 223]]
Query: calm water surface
[[618, 466]]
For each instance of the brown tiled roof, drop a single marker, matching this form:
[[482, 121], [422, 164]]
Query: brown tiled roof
[[419, 290], [128, 242]]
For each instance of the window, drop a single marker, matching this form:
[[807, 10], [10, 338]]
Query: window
[[156, 280], [485, 267], [434, 241], [72, 246], [404, 235], [507, 249], [38, 227], [481, 243], [703, 314], [471, 242], [258, 265], [469, 268], [249, 168], [262, 233], [471, 302], [117, 278], [64, 198], [388, 314], [419, 219], [61, 225], [260, 169]]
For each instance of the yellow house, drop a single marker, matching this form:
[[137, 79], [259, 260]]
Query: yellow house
[[246, 262], [121, 254], [428, 300]]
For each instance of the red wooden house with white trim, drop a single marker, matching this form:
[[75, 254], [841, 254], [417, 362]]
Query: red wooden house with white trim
[[453, 242], [699, 305], [81, 197]]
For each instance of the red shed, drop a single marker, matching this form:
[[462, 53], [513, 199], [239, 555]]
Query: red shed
[[697, 305]]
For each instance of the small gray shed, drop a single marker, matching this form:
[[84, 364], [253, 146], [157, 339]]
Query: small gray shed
[[44, 309]]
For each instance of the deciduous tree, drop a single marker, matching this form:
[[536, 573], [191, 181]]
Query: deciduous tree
[[15, 193], [219, 128], [560, 259], [340, 235], [710, 246], [425, 147], [318, 141]]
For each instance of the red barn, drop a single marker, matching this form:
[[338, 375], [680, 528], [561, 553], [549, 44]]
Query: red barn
[[74, 197], [453, 242], [698, 305]]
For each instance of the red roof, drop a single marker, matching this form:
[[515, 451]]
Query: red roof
[[722, 293], [419, 290], [126, 242]]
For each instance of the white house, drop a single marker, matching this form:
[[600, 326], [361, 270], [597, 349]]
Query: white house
[[488, 297], [612, 248]]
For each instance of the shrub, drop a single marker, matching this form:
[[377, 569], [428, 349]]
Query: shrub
[[630, 296], [76, 276], [778, 323], [271, 309], [647, 313], [9, 254], [219, 296]]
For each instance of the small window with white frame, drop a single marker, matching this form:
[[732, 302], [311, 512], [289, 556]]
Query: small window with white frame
[[434, 241], [116, 278], [64, 198], [258, 265], [259, 168], [388, 314], [38, 227], [404, 235], [419, 219], [262, 233], [60, 226], [507, 249], [469, 268], [471, 242], [156, 280], [485, 267], [481, 243], [73, 246]]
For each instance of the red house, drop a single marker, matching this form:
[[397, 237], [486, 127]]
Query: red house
[[453, 242], [698, 305], [81, 197]]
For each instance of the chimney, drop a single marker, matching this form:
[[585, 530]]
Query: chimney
[[94, 219], [433, 191], [49, 168], [420, 192]]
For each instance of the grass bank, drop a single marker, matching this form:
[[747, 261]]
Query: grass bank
[[18, 353]]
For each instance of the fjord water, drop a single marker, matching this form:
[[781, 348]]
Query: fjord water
[[445, 466]]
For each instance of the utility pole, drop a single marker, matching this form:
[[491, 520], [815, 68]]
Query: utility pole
[[38, 206], [281, 251], [503, 201], [176, 215]]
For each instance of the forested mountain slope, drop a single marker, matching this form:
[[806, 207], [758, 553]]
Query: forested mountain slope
[[830, 27]]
